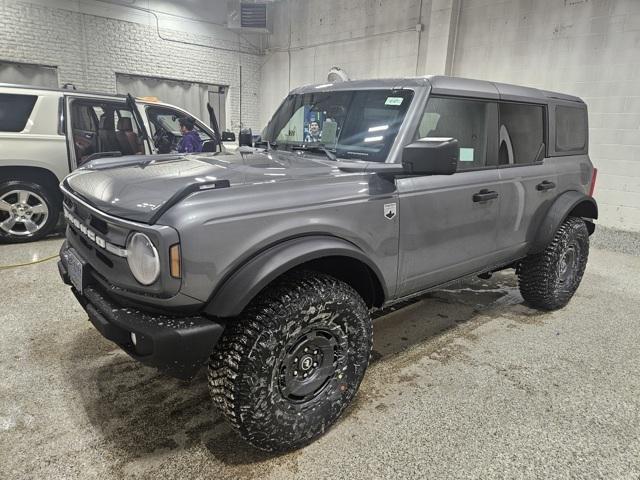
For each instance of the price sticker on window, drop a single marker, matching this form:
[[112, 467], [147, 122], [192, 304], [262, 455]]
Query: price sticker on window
[[394, 101], [466, 154]]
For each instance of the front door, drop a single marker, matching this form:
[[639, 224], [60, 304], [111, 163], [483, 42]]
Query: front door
[[448, 223]]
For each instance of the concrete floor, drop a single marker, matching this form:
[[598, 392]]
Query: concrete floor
[[465, 383]]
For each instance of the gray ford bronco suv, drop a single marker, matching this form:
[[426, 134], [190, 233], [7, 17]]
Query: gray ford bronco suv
[[266, 263]]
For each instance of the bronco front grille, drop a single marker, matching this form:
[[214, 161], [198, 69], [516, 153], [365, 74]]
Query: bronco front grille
[[92, 236]]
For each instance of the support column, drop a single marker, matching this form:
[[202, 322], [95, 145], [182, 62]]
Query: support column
[[437, 53]]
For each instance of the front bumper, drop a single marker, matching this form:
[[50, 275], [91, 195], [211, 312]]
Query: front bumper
[[175, 345]]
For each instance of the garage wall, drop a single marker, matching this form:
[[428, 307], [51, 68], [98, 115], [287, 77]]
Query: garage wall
[[89, 42], [367, 38], [589, 48]]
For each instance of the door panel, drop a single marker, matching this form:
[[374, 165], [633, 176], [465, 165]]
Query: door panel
[[523, 205], [529, 181], [444, 233], [448, 223]]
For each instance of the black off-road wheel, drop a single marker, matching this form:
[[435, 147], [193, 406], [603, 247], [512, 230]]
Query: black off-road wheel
[[549, 279], [290, 364]]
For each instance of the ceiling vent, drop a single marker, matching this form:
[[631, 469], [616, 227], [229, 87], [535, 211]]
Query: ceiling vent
[[253, 15], [248, 16]]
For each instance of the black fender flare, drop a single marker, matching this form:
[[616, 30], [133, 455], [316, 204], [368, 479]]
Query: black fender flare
[[238, 289], [571, 202]]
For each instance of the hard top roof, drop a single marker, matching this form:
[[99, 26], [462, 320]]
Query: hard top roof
[[441, 84]]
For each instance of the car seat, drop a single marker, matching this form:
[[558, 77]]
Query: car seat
[[107, 134], [127, 138]]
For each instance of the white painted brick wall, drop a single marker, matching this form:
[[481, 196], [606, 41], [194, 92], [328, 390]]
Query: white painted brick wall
[[88, 51]]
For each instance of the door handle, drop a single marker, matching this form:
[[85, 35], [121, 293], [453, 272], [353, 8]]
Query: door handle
[[484, 195], [546, 185]]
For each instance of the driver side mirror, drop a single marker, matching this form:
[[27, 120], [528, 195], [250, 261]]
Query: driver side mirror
[[431, 156]]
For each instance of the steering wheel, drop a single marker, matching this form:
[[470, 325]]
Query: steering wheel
[[163, 140]]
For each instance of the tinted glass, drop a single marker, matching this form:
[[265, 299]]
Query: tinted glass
[[571, 129], [129, 115], [521, 133], [360, 124], [82, 117], [168, 120], [15, 111], [465, 120]]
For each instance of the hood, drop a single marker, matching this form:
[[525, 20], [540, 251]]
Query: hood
[[136, 187]]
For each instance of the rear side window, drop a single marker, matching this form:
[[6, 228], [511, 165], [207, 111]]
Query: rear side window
[[82, 117], [571, 129], [466, 120], [521, 133], [15, 111]]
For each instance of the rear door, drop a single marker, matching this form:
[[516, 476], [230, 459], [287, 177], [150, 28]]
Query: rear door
[[92, 127], [448, 223], [529, 179]]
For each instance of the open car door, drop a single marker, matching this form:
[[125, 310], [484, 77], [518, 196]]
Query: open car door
[[213, 121], [142, 129]]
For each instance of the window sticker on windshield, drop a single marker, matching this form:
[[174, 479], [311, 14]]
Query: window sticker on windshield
[[394, 101], [466, 154]]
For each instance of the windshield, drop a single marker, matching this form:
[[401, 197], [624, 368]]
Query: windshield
[[357, 124]]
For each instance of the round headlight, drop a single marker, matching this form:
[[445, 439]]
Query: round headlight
[[143, 259]]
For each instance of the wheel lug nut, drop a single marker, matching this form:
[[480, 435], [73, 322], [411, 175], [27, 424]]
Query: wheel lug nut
[[295, 359], [304, 376], [315, 364], [315, 352], [306, 349], [295, 373]]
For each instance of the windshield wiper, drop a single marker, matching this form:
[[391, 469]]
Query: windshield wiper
[[316, 148]]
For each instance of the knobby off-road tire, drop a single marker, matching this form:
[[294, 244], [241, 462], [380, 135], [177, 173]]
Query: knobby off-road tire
[[290, 364], [549, 279]]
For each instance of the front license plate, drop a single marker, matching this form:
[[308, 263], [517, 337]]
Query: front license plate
[[75, 267]]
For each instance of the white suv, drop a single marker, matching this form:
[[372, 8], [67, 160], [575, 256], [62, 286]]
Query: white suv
[[46, 133]]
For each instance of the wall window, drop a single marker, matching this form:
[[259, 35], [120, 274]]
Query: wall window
[[15, 111], [28, 74], [521, 133], [466, 120], [571, 129]]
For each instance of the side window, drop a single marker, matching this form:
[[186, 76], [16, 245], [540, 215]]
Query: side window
[[521, 133], [571, 129], [204, 136], [82, 117], [129, 115], [469, 121], [168, 120], [15, 111], [98, 110]]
